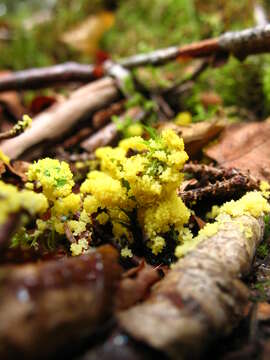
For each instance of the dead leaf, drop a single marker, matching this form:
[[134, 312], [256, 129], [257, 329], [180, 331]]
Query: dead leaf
[[40, 103], [196, 136], [245, 146], [210, 98], [199, 221], [86, 36], [136, 286], [19, 168], [263, 311], [11, 101]]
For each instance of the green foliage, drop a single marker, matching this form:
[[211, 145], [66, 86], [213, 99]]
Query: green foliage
[[267, 226], [263, 250], [146, 25], [122, 125], [150, 24], [239, 84], [23, 238]]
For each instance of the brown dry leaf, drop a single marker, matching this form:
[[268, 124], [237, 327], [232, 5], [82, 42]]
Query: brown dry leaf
[[19, 168], [199, 221], [11, 101], [210, 98], [41, 103], [134, 289], [245, 146], [86, 36], [263, 311], [196, 136]]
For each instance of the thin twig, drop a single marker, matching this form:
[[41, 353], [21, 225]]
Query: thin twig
[[42, 77], [186, 84], [239, 43]]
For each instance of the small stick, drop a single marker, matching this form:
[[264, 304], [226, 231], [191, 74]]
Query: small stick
[[227, 187], [239, 43], [47, 76]]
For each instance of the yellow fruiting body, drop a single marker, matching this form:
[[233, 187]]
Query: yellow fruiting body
[[80, 247], [252, 203], [126, 252], [265, 189], [53, 176], [140, 176], [4, 158], [183, 118], [133, 194], [13, 201]]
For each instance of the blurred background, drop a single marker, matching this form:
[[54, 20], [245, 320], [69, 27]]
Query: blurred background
[[37, 33]]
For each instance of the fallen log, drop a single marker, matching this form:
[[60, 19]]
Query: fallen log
[[201, 298]]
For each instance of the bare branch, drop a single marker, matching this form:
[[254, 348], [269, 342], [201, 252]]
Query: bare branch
[[240, 43]]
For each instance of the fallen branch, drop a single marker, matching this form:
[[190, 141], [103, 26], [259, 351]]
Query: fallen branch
[[239, 43], [47, 76], [54, 122], [201, 298]]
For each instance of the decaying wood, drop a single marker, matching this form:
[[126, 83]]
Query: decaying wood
[[48, 304], [235, 185], [58, 119], [201, 298], [239, 43], [213, 182], [209, 171]]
